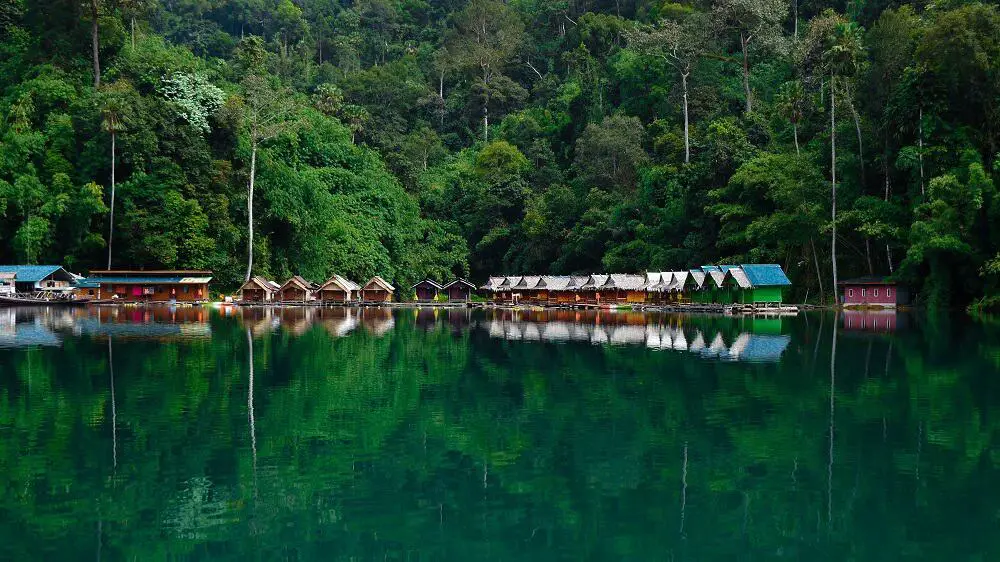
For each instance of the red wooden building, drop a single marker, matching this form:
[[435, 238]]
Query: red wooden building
[[872, 291], [152, 286], [426, 290], [459, 290]]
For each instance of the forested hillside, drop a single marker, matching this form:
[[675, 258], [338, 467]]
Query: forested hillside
[[411, 138]]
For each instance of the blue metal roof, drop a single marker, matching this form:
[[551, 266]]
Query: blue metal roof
[[765, 348], [30, 273], [765, 275], [86, 284], [707, 268]]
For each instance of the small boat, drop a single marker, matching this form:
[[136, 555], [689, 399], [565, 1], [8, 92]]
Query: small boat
[[32, 300]]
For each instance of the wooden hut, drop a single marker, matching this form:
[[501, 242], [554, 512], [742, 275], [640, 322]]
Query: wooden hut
[[258, 289], [737, 285], [297, 289], [699, 292], [506, 289], [377, 290], [767, 283], [153, 286], [624, 288], [426, 290], [591, 289], [39, 278], [459, 290], [492, 288], [528, 289], [873, 292], [338, 290]]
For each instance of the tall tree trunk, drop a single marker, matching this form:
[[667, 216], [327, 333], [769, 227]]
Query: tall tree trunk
[[253, 173], [885, 168], [745, 44], [819, 275], [687, 138], [114, 408], [920, 145], [795, 136], [833, 185], [795, 22], [111, 229], [133, 32], [95, 43], [441, 97], [868, 255], [861, 148]]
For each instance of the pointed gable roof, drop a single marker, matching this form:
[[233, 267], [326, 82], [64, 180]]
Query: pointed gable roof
[[510, 282], [698, 277], [459, 281], [433, 284], [300, 282], [738, 277], [339, 282], [529, 282], [378, 284], [493, 284], [261, 283]]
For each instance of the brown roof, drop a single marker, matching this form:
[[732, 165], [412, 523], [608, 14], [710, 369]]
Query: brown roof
[[261, 282], [339, 281], [378, 282], [301, 282]]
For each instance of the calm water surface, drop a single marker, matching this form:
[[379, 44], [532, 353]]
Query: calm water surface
[[294, 434]]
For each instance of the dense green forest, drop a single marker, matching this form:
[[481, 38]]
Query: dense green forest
[[412, 138]]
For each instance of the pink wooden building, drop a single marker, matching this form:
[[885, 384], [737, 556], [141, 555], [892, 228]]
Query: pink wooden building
[[872, 291]]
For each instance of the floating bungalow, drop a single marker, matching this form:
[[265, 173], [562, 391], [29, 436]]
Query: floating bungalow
[[339, 289], [872, 292], [426, 290], [767, 283], [152, 286], [459, 290], [259, 289], [297, 290], [38, 278], [7, 282], [760, 285], [377, 290]]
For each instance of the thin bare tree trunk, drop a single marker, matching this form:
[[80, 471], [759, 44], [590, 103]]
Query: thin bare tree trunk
[[833, 186], [133, 32], [795, 22], [861, 148], [687, 138], [95, 43], [868, 255], [745, 43], [111, 230], [920, 152], [795, 135], [885, 168], [253, 172], [819, 275]]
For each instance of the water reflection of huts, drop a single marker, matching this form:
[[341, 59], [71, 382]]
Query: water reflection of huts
[[635, 329]]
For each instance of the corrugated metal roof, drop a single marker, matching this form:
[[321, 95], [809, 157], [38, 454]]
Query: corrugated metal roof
[[135, 279], [426, 282], [699, 277], [738, 275], [379, 282], [458, 281], [344, 283], [32, 273], [492, 284], [765, 275]]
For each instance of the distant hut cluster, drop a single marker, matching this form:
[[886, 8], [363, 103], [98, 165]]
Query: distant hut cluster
[[341, 290], [750, 284]]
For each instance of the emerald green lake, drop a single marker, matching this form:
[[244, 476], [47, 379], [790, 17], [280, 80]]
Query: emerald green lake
[[345, 434]]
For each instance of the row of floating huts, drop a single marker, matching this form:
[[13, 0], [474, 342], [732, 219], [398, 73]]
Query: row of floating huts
[[749, 284], [340, 290]]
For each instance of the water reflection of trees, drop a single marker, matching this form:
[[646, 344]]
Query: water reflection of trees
[[437, 443]]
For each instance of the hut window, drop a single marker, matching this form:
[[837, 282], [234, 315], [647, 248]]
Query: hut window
[[888, 291], [186, 288], [864, 292], [876, 292], [850, 292]]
